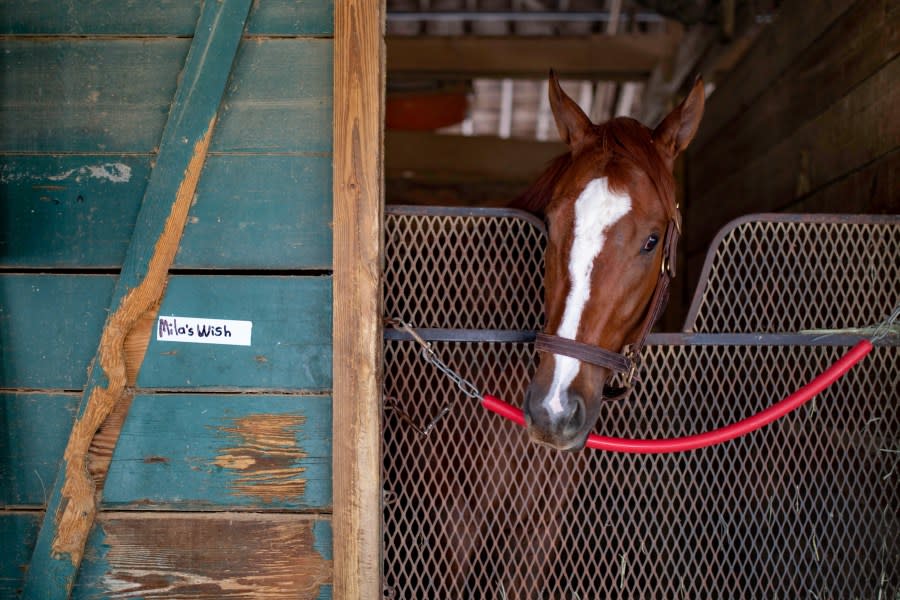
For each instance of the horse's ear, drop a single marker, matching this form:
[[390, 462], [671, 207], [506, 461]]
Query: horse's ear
[[677, 130], [574, 126]]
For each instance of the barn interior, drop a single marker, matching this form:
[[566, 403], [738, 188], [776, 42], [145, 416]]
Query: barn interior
[[798, 99], [224, 164]]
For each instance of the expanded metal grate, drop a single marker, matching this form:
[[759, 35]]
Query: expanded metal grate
[[464, 268], [806, 508], [777, 273]]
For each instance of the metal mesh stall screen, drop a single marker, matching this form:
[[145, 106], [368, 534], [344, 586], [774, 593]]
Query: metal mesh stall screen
[[464, 270], [805, 508], [777, 273]]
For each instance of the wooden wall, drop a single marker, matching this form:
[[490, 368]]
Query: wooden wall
[[808, 121], [221, 481]]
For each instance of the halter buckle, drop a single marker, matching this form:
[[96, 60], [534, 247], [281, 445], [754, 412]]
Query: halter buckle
[[631, 355]]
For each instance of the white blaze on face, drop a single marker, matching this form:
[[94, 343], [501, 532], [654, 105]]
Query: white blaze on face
[[596, 210]]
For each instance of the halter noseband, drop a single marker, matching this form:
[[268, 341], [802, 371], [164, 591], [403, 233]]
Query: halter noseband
[[625, 362]]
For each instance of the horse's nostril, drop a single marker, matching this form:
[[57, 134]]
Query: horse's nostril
[[526, 405], [576, 418]]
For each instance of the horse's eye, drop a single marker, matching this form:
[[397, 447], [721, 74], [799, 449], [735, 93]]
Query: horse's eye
[[650, 244]]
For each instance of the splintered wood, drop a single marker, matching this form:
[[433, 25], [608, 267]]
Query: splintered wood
[[78, 491]]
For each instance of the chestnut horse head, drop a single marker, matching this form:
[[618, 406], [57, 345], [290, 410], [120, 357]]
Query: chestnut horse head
[[608, 204]]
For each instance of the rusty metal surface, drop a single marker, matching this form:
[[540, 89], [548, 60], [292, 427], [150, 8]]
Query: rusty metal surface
[[806, 508]]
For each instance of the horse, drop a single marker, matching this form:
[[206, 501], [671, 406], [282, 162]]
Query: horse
[[495, 516], [608, 203]]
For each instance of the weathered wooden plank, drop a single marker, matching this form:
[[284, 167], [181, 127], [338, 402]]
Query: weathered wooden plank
[[113, 17], [202, 452], [626, 56], [184, 451], [140, 285], [49, 328], [18, 532], [852, 132], [359, 76], [113, 95], [855, 47], [87, 95], [260, 212], [291, 335], [224, 555], [279, 98], [251, 211], [292, 17], [871, 189], [798, 23], [430, 157], [35, 427], [69, 211], [99, 17]]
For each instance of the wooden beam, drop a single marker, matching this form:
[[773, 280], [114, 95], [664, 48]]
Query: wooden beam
[[358, 256], [854, 48], [798, 24], [445, 193], [671, 75], [850, 134], [167, 199], [619, 57], [434, 158], [870, 189]]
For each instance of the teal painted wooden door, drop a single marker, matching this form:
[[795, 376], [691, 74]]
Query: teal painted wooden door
[[221, 476]]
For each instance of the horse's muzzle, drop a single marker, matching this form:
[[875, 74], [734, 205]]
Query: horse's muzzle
[[564, 429]]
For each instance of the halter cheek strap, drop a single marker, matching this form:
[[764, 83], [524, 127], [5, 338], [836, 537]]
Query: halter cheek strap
[[626, 361]]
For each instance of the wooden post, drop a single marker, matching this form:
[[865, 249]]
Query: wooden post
[[73, 501], [358, 257]]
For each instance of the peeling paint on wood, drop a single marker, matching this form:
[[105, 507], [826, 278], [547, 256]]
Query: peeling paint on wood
[[267, 457], [204, 556], [292, 331], [250, 212], [183, 148], [254, 452], [247, 452], [78, 505], [183, 451]]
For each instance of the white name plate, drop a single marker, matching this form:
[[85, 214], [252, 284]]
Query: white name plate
[[196, 330]]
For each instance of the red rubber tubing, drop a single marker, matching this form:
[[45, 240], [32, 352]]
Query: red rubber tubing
[[709, 438]]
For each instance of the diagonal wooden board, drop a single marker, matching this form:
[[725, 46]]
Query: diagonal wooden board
[[157, 234]]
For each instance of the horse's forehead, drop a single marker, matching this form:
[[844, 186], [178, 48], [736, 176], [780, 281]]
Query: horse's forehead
[[622, 177]]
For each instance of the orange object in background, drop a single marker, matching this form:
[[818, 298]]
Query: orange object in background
[[425, 111]]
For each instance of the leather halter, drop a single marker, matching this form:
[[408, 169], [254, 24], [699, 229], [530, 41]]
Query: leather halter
[[627, 361]]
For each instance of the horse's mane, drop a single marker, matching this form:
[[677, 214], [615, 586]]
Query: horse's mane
[[626, 144], [538, 195]]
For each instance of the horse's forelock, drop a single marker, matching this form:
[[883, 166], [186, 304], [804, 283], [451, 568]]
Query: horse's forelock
[[622, 138], [627, 139]]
